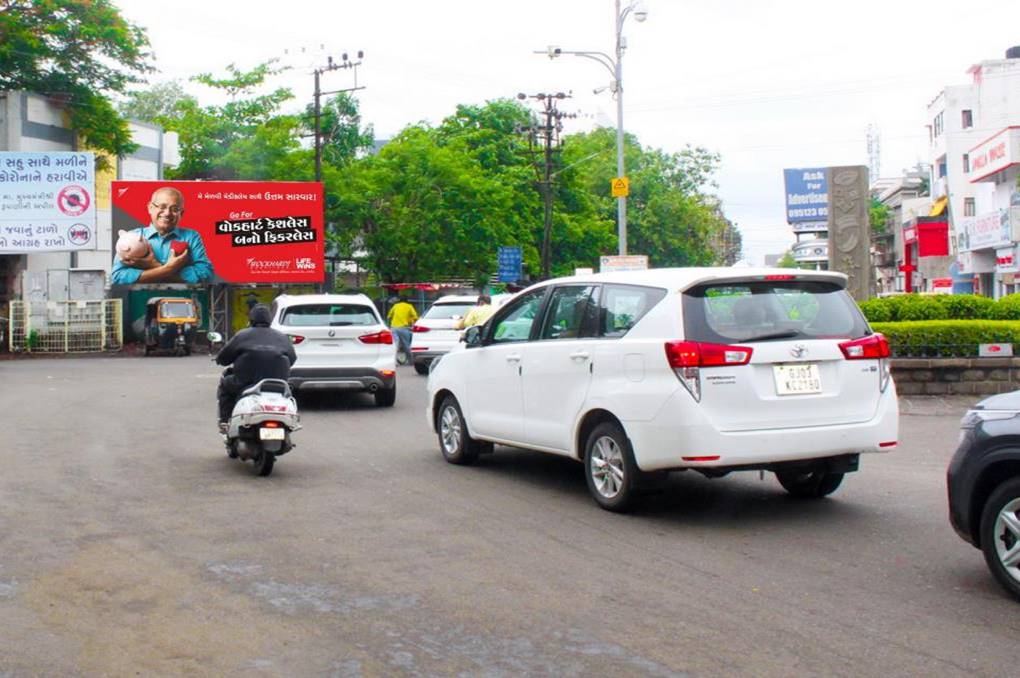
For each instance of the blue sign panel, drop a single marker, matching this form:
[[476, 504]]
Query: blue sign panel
[[509, 260], [807, 194]]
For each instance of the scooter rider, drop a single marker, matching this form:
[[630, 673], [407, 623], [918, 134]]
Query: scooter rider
[[256, 353]]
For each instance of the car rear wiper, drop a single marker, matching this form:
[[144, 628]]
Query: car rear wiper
[[785, 334], [340, 323]]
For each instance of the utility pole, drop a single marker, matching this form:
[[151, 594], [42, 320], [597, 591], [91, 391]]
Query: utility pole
[[331, 65], [548, 134]]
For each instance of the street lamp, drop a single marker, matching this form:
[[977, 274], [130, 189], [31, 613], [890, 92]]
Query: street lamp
[[615, 68]]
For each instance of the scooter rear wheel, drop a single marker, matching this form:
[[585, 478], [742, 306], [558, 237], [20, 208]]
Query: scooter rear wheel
[[264, 462]]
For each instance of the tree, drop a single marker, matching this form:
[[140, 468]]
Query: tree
[[343, 139], [79, 53], [159, 102], [879, 216]]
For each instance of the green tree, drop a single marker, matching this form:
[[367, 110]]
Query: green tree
[[343, 139], [879, 216], [79, 53], [158, 102]]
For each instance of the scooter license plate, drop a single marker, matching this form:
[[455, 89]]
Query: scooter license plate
[[271, 433]]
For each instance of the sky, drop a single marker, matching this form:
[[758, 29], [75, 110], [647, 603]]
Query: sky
[[765, 84]]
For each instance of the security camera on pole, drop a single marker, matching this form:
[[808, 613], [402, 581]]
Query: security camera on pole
[[620, 186]]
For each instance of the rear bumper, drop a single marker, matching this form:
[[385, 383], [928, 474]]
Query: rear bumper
[[339, 379], [662, 444]]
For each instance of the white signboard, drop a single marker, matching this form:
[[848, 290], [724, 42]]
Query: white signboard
[[995, 154], [627, 262], [987, 230], [47, 202], [995, 350]]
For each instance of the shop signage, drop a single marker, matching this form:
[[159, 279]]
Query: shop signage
[[1006, 261], [990, 229], [995, 154], [942, 285], [47, 202]]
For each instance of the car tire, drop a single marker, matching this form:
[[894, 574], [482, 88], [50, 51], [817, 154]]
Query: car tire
[[609, 468], [421, 368], [1000, 535], [385, 397], [809, 484], [456, 444]]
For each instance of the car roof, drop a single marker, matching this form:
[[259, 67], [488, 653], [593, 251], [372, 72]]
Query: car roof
[[457, 299], [291, 299], [684, 278]]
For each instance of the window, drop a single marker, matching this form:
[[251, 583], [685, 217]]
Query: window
[[514, 323], [328, 315], [447, 311], [968, 118], [968, 207], [624, 305], [570, 313], [966, 162], [738, 312], [942, 169], [938, 123]]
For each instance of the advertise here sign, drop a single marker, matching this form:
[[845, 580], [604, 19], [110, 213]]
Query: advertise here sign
[[217, 231], [807, 194], [47, 202]]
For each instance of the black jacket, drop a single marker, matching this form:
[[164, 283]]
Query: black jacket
[[258, 353]]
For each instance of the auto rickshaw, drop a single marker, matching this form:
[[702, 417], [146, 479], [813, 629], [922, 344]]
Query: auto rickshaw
[[170, 325]]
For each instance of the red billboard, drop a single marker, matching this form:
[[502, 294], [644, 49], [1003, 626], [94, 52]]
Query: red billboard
[[198, 232]]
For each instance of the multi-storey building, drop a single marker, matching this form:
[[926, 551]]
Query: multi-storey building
[[975, 152]]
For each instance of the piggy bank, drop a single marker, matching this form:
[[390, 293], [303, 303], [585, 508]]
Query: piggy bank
[[131, 244], [179, 247]]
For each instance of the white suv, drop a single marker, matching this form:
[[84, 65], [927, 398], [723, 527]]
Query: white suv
[[341, 344], [434, 334], [643, 372]]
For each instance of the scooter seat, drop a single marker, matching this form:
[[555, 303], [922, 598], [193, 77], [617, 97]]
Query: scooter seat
[[268, 386]]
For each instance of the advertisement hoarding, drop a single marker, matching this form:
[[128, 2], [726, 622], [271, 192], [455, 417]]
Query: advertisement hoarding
[[47, 202], [227, 231], [987, 230], [509, 261], [807, 194]]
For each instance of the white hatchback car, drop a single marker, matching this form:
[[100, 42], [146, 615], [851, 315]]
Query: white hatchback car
[[643, 372], [435, 333], [341, 343]]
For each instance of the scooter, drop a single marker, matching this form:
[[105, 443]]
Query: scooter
[[261, 422]]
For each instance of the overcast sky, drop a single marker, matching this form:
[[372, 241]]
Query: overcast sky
[[766, 84]]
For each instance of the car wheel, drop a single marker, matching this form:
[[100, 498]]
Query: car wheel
[[610, 470], [809, 484], [421, 368], [1000, 535], [385, 397], [456, 444]]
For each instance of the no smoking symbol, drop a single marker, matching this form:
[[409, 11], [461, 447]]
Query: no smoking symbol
[[73, 200]]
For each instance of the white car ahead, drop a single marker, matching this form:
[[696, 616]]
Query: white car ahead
[[341, 343], [435, 333], [640, 373]]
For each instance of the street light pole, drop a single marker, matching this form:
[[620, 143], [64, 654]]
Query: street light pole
[[615, 67]]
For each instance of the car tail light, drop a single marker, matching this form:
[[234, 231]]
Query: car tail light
[[419, 328], [383, 337], [780, 277], [688, 357], [872, 347], [295, 338], [865, 348]]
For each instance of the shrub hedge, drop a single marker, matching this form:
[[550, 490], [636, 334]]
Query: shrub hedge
[[946, 338], [902, 307]]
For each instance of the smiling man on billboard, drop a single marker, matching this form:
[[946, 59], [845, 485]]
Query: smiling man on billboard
[[162, 251]]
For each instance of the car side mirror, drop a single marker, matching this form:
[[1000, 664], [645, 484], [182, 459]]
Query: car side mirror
[[472, 336]]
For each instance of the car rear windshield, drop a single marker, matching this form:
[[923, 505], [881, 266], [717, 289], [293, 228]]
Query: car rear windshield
[[770, 310], [328, 315], [447, 311]]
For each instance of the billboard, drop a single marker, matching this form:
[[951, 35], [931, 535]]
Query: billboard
[[198, 232], [47, 202], [807, 194]]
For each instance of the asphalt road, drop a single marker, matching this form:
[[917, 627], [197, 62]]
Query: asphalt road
[[131, 545]]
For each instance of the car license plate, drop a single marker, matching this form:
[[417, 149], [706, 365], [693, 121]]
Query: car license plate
[[797, 379], [272, 433]]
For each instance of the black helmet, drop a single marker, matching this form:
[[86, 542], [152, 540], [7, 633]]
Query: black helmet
[[259, 316]]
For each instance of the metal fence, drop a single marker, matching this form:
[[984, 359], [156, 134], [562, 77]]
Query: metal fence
[[66, 326]]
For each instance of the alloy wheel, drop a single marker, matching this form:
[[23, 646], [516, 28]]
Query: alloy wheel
[[1007, 538], [450, 430], [607, 467]]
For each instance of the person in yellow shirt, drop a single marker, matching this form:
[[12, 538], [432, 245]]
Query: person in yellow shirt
[[401, 317], [479, 313]]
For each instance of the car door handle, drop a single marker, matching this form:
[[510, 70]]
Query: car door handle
[[580, 355], [513, 358]]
